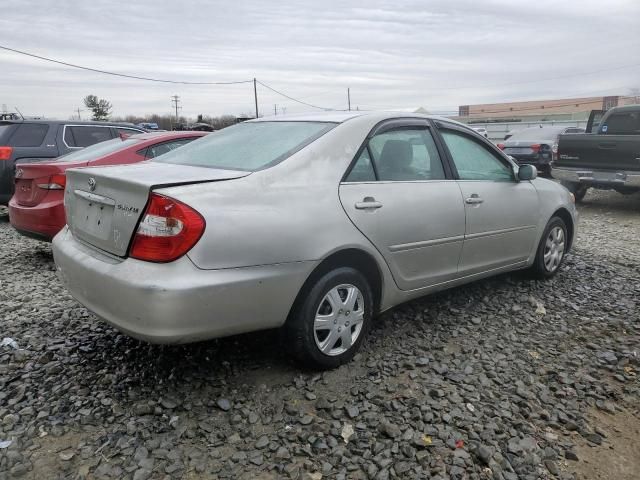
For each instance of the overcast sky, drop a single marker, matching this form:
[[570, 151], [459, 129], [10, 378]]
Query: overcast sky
[[393, 54]]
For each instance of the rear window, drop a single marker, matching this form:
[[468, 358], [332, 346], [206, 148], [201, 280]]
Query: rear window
[[29, 135], [85, 135], [98, 150], [248, 146], [536, 133], [4, 129], [627, 123]]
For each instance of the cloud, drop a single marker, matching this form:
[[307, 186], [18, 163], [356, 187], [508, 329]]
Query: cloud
[[392, 54]]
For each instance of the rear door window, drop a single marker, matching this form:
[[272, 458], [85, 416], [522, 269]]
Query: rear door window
[[29, 135], [627, 123], [85, 135]]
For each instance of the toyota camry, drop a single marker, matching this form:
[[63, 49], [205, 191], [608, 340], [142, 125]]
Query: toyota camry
[[313, 223]]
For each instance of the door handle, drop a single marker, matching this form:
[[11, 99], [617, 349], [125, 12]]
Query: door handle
[[607, 145], [474, 199], [368, 203]]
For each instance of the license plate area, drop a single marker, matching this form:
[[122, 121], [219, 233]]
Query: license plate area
[[93, 216], [517, 150]]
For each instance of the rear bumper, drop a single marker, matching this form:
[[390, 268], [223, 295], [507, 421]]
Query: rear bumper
[[41, 221], [177, 302], [535, 160], [594, 178]]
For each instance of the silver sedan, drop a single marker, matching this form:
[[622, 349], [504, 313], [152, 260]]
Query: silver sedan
[[312, 223]]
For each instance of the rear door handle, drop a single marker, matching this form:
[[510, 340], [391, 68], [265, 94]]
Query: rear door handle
[[474, 200], [368, 203], [607, 145]]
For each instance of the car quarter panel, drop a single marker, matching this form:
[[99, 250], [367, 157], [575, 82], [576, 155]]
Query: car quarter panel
[[287, 213]]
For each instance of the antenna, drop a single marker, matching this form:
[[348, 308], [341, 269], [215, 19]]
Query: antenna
[[19, 113]]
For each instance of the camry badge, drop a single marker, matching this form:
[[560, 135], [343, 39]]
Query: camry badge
[[92, 184], [19, 173]]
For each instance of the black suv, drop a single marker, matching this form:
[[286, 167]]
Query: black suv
[[33, 140]]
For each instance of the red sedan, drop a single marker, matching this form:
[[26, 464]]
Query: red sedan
[[36, 208]]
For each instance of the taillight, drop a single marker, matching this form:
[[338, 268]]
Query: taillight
[[168, 230], [554, 151], [5, 153], [501, 146], [55, 182], [535, 147]]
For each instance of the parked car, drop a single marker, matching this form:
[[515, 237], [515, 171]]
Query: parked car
[[536, 145], [24, 141], [482, 131], [314, 223], [36, 208], [609, 159]]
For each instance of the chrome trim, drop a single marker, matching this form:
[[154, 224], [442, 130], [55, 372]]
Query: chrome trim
[[426, 243], [491, 233], [92, 197]]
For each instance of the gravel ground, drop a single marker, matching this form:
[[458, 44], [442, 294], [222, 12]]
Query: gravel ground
[[505, 378]]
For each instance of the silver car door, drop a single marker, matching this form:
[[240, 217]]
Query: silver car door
[[398, 195], [501, 212]]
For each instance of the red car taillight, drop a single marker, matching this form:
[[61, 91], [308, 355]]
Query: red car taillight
[[167, 231], [55, 182], [5, 153], [535, 147], [501, 146]]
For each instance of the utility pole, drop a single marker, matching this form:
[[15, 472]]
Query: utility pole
[[349, 98], [175, 100], [255, 95], [275, 109], [78, 110]]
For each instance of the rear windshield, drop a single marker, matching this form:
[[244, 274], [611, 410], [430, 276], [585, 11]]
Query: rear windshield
[[536, 133], [98, 150], [248, 146]]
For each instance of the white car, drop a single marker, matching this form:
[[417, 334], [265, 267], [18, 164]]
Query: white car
[[481, 130]]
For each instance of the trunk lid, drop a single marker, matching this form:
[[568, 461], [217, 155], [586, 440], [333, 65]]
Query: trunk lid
[[104, 204], [604, 152], [28, 177]]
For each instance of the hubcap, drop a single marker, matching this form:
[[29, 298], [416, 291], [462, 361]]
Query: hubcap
[[339, 320], [554, 249]]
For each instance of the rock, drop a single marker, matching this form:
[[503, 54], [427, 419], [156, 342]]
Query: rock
[[390, 430], [224, 404], [353, 411], [142, 474], [552, 467], [484, 453], [262, 442], [570, 455]]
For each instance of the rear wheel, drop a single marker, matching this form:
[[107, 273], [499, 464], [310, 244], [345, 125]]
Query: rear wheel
[[328, 324], [553, 245]]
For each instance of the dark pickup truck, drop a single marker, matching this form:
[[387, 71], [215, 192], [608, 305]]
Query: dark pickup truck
[[608, 159]]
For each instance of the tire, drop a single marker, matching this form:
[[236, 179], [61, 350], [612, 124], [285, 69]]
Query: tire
[[547, 267], [578, 190], [321, 348]]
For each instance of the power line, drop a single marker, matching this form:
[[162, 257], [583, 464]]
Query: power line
[[291, 98], [115, 74]]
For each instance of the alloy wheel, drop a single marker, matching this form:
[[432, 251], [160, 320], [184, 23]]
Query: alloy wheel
[[339, 319], [554, 249]]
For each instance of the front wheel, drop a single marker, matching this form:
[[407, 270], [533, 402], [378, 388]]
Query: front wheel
[[553, 245], [328, 324]]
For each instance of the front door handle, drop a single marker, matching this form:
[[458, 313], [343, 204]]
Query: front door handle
[[368, 203], [474, 200]]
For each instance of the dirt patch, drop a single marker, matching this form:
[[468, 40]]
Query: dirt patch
[[618, 458]]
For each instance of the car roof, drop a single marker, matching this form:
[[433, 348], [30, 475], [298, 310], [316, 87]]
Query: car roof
[[69, 122], [341, 116]]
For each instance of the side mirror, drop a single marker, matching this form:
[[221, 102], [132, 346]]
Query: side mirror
[[527, 172]]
